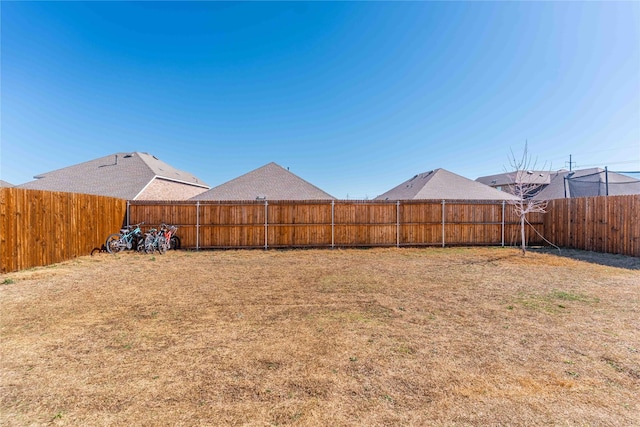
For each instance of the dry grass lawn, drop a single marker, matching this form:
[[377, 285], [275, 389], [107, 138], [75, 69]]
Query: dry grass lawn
[[446, 337]]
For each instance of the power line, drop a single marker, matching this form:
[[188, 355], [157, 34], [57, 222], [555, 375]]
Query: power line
[[586, 153], [570, 163], [612, 163]]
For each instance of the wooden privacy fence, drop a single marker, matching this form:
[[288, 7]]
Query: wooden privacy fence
[[284, 224], [44, 227], [609, 224]]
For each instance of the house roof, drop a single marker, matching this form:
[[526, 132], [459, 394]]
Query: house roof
[[587, 183], [440, 184], [271, 182], [520, 177], [121, 175], [5, 184]]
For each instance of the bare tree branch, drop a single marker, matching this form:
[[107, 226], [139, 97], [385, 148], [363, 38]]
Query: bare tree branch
[[526, 183]]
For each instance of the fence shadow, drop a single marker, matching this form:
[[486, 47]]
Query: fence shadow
[[609, 260]]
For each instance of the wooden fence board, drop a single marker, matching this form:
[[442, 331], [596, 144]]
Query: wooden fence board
[[42, 227], [603, 224]]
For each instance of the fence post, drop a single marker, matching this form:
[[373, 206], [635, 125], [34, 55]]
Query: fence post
[[587, 246], [127, 213], [606, 228], [503, 210], [333, 206], [443, 223], [569, 234], [398, 224], [266, 224], [198, 225]]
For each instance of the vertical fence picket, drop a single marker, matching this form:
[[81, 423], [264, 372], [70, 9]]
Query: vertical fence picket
[[266, 224], [443, 221], [333, 224], [502, 224], [398, 224], [197, 225]]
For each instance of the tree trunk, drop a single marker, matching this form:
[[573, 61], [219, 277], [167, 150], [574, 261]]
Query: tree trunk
[[524, 245]]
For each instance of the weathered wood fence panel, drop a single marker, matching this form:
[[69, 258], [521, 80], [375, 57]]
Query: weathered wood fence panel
[[364, 223], [228, 225], [303, 224], [602, 224], [43, 227], [341, 223], [421, 223]]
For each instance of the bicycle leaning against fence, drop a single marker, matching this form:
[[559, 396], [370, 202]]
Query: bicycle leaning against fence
[[155, 240], [169, 231], [128, 238]]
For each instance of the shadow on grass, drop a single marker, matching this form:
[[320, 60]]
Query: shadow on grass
[[610, 260]]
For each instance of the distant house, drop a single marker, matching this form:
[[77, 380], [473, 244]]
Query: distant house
[[440, 184], [506, 181], [5, 184], [588, 183], [269, 182], [563, 183], [129, 176]]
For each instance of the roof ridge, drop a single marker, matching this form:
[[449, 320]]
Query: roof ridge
[[253, 171], [300, 178], [44, 174], [441, 183], [144, 160], [269, 180], [142, 155]]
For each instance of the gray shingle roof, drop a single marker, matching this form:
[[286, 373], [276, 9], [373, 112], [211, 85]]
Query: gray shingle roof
[[440, 184], [121, 175], [587, 183], [522, 177], [5, 184], [270, 181]]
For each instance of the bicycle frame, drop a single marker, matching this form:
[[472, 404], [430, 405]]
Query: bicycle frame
[[127, 238]]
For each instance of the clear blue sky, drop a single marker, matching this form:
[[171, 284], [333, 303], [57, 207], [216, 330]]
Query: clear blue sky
[[355, 97]]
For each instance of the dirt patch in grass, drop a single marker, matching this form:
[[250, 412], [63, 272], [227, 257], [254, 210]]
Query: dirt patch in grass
[[454, 336]]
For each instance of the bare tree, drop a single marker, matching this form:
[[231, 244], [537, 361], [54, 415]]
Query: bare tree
[[526, 182]]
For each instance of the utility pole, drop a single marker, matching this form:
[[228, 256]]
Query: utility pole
[[570, 163]]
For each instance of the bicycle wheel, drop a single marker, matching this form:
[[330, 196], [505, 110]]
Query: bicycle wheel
[[149, 246], [162, 245], [174, 243], [113, 243]]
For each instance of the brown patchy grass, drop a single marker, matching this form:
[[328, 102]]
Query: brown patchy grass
[[453, 337]]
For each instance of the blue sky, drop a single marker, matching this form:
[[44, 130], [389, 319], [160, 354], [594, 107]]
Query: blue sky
[[355, 97]]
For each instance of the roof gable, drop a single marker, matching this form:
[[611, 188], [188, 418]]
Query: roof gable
[[441, 184], [271, 182], [166, 171], [121, 175]]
